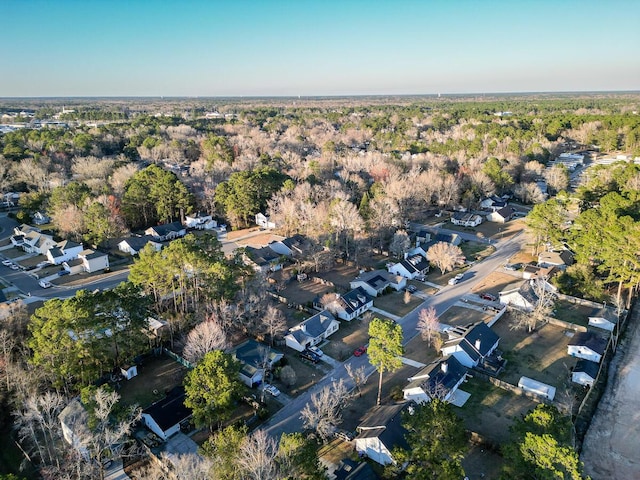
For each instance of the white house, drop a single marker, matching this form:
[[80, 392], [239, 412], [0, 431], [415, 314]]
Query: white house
[[164, 418], [493, 203], [63, 252], [263, 259], [40, 218], [263, 221], [519, 295], [560, 259], [466, 219], [200, 221], [312, 331], [255, 359], [31, 240], [93, 261], [351, 304], [501, 216], [167, 231], [290, 246], [604, 318], [470, 346], [74, 421], [380, 432], [412, 267], [376, 281], [588, 346], [133, 245], [585, 373], [440, 379]]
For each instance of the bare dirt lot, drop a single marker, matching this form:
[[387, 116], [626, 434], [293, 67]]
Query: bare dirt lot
[[612, 443], [495, 283], [460, 316]]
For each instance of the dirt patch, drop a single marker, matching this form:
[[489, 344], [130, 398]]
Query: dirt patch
[[350, 336], [482, 463], [235, 234], [307, 374], [394, 303], [418, 350], [494, 283], [460, 316], [259, 240]]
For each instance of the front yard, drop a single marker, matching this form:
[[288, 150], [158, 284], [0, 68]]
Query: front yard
[[460, 316], [394, 303], [350, 336]]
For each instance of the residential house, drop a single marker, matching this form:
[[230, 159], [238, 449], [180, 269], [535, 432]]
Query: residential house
[[587, 345], [376, 281], [263, 259], [561, 259], [412, 267], [350, 305], [603, 317], [74, 421], [519, 295], [133, 245], [31, 240], [263, 221], [40, 218], [585, 373], [255, 359], [73, 266], [493, 203], [532, 272], [471, 345], [380, 432], [440, 379], [93, 261], [167, 231], [501, 216], [312, 331], [63, 252], [295, 245], [350, 470], [168, 416], [466, 219], [200, 221]]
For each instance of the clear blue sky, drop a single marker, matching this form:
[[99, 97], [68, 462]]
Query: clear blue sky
[[322, 47]]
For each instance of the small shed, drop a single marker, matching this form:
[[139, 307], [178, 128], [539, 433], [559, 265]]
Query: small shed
[[585, 373], [533, 386], [129, 371]]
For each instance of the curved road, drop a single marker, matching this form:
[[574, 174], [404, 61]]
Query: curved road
[[287, 420]]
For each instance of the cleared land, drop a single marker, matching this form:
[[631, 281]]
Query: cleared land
[[460, 316]]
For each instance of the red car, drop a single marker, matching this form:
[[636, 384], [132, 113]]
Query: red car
[[488, 296], [360, 351]]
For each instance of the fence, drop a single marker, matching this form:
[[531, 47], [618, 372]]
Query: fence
[[568, 325], [282, 299], [511, 388], [178, 358], [497, 316]]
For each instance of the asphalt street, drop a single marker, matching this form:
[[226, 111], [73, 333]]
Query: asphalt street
[[288, 420]]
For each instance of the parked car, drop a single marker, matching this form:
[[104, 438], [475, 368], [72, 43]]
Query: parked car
[[411, 288], [488, 296], [63, 272], [316, 350], [358, 352], [271, 389], [44, 284], [43, 264], [7, 263], [456, 279], [512, 267], [308, 355], [13, 266]]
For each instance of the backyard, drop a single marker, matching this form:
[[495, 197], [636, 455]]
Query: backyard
[[541, 355], [307, 374], [572, 312]]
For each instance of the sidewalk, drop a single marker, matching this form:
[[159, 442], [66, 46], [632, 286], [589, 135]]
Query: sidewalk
[[385, 313]]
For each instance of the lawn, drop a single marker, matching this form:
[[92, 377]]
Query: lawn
[[350, 336], [541, 355], [418, 350], [394, 303], [490, 410], [572, 312], [156, 376], [460, 316], [474, 251], [495, 282], [307, 374], [435, 276]]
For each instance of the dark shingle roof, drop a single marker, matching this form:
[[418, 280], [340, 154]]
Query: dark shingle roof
[[170, 410], [589, 340], [506, 212], [251, 353], [262, 256], [588, 367], [163, 230], [385, 423], [354, 300], [350, 470], [138, 243], [318, 324], [443, 373]]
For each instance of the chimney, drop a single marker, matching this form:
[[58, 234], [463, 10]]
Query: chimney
[[444, 367], [478, 344]]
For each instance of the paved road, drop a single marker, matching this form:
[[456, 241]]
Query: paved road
[[287, 420]]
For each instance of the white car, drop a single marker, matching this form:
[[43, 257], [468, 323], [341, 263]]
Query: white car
[[44, 284], [13, 266], [272, 390], [7, 263], [316, 350], [456, 279]]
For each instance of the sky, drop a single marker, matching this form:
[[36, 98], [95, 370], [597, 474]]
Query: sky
[[322, 47]]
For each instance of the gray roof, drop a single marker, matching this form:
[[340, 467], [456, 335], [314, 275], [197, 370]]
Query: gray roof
[[590, 340], [354, 300], [318, 324], [295, 242], [350, 470], [528, 293], [588, 367], [89, 254], [479, 333], [262, 256], [607, 313], [251, 353], [163, 230], [442, 373], [385, 422], [506, 212], [415, 263], [138, 243], [377, 279]]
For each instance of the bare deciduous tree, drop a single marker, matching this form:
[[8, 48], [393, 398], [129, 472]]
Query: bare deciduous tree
[[357, 376], [542, 307], [205, 337], [400, 243], [257, 456], [323, 411], [445, 256], [274, 322], [428, 324]]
